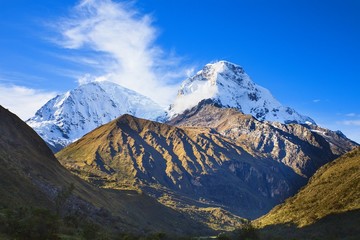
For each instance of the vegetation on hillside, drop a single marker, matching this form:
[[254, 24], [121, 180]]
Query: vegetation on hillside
[[335, 188], [328, 207], [25, 223]]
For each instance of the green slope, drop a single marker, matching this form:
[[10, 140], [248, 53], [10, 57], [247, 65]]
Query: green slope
[[335, 188], [328, 207]]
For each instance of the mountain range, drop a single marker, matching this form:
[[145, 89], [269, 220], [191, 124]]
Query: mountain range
[[69, 116], [224, 150], [241, 164], [32, 177], [207, 148]]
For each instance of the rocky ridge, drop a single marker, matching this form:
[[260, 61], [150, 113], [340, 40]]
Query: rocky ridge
[[302, 147]]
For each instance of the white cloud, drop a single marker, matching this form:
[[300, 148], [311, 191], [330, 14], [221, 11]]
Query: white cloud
[[351, 115], [22, 101], [350, 122], [351, 128], [352, 132], [87, 78], [190, 72], [316, 100], [203, 90], [124, 43]]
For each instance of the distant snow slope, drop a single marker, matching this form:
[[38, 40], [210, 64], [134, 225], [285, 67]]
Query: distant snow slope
[[230, 86], [68, 117]]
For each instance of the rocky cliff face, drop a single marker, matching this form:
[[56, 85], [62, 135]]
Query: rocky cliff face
[[303, 148]]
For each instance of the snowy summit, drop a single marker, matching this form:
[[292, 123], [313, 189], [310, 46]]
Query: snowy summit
[[68, 117], [229, 85]]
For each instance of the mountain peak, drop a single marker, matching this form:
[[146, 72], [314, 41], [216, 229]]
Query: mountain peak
[[222, 65], [69, 116], [230, 86], [211, 70]]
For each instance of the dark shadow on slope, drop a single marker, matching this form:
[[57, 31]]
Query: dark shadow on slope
[[343, 226]]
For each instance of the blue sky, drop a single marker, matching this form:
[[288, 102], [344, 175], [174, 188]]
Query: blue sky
[[307, 53]]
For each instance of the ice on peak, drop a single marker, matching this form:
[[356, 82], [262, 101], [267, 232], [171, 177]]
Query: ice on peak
[[228, 84], [68, 117], [223, 65]]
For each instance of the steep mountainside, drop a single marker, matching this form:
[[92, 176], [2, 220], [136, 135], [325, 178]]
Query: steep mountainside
[[334, 189], [69, 116], [195, 163], [244, 165], [304, 148], [31, 176], [229, 85]]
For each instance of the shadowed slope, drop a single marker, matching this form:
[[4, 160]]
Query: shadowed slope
[[31, 176], [334, 189]]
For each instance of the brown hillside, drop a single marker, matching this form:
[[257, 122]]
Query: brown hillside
[[31, 176], [334, 189], [199, 165]]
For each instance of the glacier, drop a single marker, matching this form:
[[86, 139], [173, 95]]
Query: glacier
[[228, 84], [69, 116]]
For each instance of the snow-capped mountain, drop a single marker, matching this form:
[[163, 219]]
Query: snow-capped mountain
[[69, 116], [229, 85]]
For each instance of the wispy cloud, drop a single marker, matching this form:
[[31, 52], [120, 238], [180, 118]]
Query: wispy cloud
[[23, 101], [350, 122], [316, 100], [7, 77], [124, 42], [351, 115], [350, 128]]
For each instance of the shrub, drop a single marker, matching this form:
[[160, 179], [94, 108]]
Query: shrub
[[25, 223], [223, 236], [90, 231], [62, 196], [157, 236], [247, 232]]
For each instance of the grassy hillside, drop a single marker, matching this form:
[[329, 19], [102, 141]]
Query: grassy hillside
[[334, 189]]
